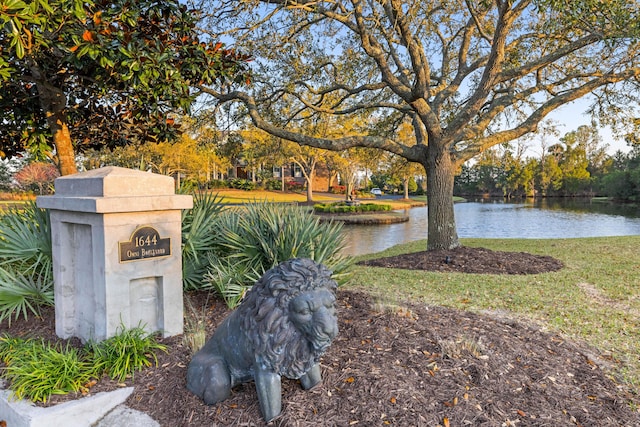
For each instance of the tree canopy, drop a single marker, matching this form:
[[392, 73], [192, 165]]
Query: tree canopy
[[468, 75], [85, 74]]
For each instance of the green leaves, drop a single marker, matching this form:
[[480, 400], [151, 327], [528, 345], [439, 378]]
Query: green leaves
[[37, 369], [25, 24], [229, 279], [198, 237], [20, 294], [26, 270], [128, 351], [228, 250], [12, 14], [25, 239], [612, 19], [122, 66], [252, 239]]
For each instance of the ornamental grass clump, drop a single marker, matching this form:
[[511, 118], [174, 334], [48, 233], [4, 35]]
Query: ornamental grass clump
[[128, 351], [36, 369]]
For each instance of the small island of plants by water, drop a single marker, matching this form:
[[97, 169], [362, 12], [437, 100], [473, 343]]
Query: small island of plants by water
[[358, 213], [346, 207]]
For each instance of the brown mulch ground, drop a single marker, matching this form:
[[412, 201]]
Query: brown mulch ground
[[415, 365], [470, 260]]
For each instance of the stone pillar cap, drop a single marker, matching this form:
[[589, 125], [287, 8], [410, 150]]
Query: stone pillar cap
[[113, 189], [113, 181]]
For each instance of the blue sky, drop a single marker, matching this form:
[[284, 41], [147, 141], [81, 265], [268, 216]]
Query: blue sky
[[572, 116]]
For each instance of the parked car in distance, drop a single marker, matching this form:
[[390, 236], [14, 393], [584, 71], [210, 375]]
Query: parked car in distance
[[376, 191]]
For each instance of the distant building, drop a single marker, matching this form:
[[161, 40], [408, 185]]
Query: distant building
[[292, 173]]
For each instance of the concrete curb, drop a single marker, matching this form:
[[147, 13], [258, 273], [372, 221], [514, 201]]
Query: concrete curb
[[84, 412], [124, 416]]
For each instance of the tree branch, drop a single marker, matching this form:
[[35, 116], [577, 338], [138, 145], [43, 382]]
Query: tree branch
[[531, 123], [414, 153]]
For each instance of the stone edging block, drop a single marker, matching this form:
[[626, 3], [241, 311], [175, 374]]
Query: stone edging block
[[83, 412]]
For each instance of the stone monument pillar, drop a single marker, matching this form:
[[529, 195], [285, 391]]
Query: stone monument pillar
[[116, 240]]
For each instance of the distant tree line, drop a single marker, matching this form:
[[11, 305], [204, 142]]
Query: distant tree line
[[576, 166]]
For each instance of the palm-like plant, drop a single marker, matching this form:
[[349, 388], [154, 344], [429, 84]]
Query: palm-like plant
[[198, 237], [20, 294], [26, 268], [25, 238], [229, 280], [258, 236]]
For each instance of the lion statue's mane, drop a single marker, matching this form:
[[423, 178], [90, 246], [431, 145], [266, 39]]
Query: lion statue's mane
[[279, 345]]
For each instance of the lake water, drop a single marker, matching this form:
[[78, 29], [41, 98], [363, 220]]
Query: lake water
[[497, 219]]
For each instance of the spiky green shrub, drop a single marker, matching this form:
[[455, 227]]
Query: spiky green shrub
[[20, 294], [229, 280], [258, 236], [26, 271], [198, 237], [36, 369]]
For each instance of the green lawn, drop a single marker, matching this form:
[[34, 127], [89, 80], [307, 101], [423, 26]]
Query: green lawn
[[242, 196], [594, 299], [232, 196]]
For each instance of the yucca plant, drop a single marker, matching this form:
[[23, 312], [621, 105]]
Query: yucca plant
[[25, 238], [26, 268], [20, 294], [230, 281], [198, 237], [259, 236], [265, 234]]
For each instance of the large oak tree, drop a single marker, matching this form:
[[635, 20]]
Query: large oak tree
[[79, 74], [469, 74]]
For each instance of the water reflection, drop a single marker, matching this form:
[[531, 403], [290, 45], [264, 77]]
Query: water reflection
[[497, 219]]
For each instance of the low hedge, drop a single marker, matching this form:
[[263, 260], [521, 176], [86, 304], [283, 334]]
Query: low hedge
[[343, 207]]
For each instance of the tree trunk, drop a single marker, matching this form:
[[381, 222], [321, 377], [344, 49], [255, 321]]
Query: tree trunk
[[282, 186], [53, 103], [440, 169], [309, 173], [405, 188], [348, 190], [64, 150], [310, 190]]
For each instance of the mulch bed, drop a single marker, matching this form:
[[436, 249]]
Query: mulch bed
[[409, 365], [470, 260]]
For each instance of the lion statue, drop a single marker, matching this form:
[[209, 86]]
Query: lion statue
[[285, 323]]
